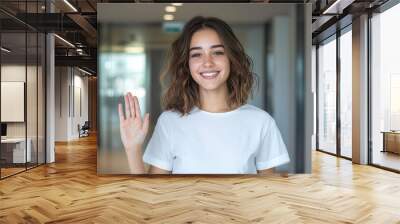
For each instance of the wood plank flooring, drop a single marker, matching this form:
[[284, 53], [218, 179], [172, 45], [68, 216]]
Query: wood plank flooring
[[70, 191], [10, 171]]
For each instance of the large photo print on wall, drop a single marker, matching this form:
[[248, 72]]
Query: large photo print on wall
[[200, 88]]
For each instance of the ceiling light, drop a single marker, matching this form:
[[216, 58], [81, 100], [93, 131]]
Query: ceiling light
[[134, 49], [332, 7], [168, 17], [86, 72], [5, 49], [65, 41], [170, 9], [79, 50], [177, 4], [70, 5]]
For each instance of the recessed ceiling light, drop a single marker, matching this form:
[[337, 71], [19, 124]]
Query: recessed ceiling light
[[177, 4], [170, 8], [168, 17]]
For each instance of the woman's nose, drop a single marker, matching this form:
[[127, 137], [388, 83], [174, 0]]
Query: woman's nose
[[208, 60]]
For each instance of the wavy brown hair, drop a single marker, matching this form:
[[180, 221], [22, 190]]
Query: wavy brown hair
[[182, 92]]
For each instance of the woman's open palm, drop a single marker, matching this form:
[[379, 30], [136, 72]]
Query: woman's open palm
[[132, 127]]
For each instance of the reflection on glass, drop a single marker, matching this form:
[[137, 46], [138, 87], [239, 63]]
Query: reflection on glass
[[385, 86], [327, 97], [346, 94]]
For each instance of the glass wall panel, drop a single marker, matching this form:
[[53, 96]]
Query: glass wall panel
[[41, 97], [327, 96], [13, 90], [127, 66], [31, 97], [22, 90], [385, 87], [128, 72], [314, 90], [346, 94]]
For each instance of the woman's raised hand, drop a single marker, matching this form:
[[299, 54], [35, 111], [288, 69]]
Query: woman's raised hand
[[132, 127]]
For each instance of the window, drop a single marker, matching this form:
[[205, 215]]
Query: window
[[346, 93], [327, 96], [385, 88]]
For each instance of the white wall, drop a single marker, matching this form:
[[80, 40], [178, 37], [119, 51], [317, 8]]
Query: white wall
[[314, 93], [79, 117], [70, 83], [33, 106], [12, 73], [17, 73]]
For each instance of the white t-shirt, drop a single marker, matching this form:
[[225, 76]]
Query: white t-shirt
[[241, 141]]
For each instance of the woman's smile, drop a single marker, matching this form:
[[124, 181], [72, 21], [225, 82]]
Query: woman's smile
[[209, 74]]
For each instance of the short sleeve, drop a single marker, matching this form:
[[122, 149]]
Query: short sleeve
[[272, 151], [159, 151]]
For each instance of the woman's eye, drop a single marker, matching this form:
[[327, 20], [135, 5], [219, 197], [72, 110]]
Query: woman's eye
[[195, 55], [219, 53]]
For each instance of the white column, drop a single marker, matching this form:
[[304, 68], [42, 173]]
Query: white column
[[50, 93], [360, 90], [50, 108]]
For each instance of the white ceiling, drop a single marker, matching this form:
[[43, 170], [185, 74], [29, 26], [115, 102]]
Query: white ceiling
[[233, 13]]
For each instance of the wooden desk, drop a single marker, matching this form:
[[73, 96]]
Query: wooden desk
[[391, 141], [16, 147]]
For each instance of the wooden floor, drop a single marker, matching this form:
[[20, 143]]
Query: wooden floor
[[69, 191], [5, 172]]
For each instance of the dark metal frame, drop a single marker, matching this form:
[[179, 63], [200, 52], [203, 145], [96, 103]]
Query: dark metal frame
[[369, 90], [338, 98]]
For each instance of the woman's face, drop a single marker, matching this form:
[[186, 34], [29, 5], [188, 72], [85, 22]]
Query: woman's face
[[208, 61]]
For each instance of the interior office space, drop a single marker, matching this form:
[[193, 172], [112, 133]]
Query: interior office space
[[48, 92]]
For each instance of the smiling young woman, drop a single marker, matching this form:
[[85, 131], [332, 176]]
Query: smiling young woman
[[207, 127], [209, 68]]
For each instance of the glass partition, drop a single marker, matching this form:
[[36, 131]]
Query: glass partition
[[31, 97], [22, 88], [41, 106], [13, 109], [327, 96], [346, 93], [385, 89]]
